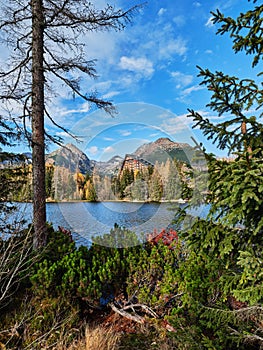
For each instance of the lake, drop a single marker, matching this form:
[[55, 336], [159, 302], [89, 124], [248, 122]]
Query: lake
[[88, 219]]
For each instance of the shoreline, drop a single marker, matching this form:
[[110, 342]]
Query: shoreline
[[180, 201]]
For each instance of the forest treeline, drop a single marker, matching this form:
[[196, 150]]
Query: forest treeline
[[167, 181]]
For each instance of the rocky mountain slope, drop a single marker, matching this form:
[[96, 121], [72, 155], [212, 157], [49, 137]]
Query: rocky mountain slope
[[160, 150], [70, 157], [111, 167], [164, 148]]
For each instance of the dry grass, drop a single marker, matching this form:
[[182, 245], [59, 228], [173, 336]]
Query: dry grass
[[97, 338], [101, 339]]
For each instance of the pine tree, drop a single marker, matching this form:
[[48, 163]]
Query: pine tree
[[172, 181], [126, 179], [58, 184], [139, 190]]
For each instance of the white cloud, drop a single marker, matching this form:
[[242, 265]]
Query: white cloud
[[124, 132], [101, 45], [126, 81], [84, 108], [154, 135], [209, 22], [161, 11], [197, 4], [209, 52], [164, 115], [93, 150], [181, 79], [110, 94], [179, 20], [177, 124], [62, 134], [182, 125], [158, 39], [174, 46], [191, 89], [184, 95], [138, 65], [103, 85], [108, 149], [108, 139]]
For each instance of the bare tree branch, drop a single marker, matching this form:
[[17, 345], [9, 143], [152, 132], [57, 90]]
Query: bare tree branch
[[18, 67], [15, 261], [137, 318], [134, 316]]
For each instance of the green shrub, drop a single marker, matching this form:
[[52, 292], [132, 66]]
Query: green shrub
[[85, 273]]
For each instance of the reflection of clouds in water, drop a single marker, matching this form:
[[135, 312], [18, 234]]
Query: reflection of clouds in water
[[92, 218], [127, 208], [87, 220]]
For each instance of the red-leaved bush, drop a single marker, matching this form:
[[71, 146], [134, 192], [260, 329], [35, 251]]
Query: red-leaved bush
[[168, 237]]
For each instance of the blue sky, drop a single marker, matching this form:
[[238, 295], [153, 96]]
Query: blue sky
[[149, 72]]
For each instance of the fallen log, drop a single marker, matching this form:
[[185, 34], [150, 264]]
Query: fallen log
[[134, 316]]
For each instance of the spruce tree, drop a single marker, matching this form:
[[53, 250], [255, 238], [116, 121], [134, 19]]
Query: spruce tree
[[222, 276], [155, 185]]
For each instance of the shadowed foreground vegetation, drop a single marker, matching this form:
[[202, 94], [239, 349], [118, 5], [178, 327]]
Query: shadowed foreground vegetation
[[152, 295]]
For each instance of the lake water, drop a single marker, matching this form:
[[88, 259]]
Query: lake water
[[86, 219]]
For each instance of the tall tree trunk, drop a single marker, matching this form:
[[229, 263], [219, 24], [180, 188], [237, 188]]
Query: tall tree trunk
[[38, 142]]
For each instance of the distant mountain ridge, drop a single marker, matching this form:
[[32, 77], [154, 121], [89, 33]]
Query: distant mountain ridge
[[110, 167], [74, 159]]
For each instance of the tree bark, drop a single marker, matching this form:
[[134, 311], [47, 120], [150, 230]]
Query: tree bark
[[38, 141]]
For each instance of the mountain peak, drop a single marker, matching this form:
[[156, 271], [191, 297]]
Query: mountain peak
[[71, 157], [164, 141], [162, 149]]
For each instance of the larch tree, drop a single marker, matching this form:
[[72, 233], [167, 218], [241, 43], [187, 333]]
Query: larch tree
[[43, 39]]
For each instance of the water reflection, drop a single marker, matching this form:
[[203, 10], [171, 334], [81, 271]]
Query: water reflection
[[87, 220]]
